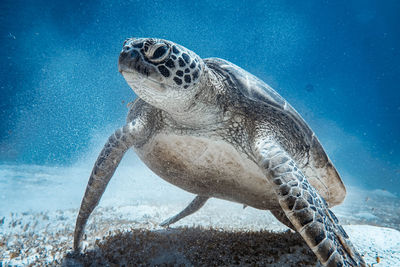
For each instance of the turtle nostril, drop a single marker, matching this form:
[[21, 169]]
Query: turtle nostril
[[134, 54]]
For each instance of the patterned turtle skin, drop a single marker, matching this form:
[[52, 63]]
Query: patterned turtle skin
[[215, 130]]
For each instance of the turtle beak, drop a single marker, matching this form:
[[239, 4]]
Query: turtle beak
[[127, 58]]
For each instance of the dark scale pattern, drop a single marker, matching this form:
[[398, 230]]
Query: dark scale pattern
[[164, 71], [138, 45], [308, 197], [318, 218], [173, 57], [181, 62], [295, 192], [316, 232], [177, 81], [313, 208], [330, 236], [336, 261], [284, 189], [289, 202], [300, 204], [304, 217], [313, 194], [323, 201], [304, 186], [195, 75], [179, 73], [299, 177], [187, 79], [326, 249], [193, 65], [287, 176], [186, 57], [187, 70], [175, 50], [170, 63], [342, 231]]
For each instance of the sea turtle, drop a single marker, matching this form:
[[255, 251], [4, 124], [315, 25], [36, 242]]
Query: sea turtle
[[215, 130]]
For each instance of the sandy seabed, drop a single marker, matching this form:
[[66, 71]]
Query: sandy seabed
[[215, 236], [37, 223]]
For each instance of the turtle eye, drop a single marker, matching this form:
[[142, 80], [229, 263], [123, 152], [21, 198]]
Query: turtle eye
[[158, 52]]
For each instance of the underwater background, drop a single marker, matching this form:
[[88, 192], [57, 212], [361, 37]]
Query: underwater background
[[336, 62]]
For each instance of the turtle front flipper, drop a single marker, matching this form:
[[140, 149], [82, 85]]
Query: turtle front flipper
[[104, 168], [194, 206], [305, 208]]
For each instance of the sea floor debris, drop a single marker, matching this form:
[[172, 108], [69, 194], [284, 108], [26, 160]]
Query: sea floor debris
[[130, 235]]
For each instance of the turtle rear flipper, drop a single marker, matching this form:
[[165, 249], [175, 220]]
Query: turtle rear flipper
[[306, 210], [194, 206]]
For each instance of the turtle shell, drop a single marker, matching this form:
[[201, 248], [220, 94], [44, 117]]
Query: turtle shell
[[318, 168]]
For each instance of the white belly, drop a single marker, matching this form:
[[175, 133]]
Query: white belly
[[208, 167]]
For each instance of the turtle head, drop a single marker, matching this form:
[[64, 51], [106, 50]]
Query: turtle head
[[160, 72]]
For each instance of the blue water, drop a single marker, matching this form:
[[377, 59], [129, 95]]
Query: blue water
[[336, 62]]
